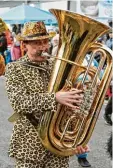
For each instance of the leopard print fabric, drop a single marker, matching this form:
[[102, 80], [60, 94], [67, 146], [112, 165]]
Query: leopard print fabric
[[48, 162], [27, 91]]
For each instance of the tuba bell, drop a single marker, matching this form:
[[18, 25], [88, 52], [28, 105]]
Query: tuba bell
[[61, 132]]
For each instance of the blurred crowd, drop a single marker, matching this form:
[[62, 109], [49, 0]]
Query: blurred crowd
[[11, 49]]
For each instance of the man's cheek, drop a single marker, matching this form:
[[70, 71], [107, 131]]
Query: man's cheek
[[46, 47]]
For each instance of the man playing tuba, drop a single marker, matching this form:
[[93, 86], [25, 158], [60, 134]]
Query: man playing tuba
[[27, 91]]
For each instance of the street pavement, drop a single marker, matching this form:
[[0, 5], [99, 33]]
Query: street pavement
[[97, 156]]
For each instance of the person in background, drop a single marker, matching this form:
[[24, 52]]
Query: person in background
[[16, 28], [109, 41], [3, 44], [15, 51], [2, 65], [8, 35], [108, 112], [55, 43], [108, 119], [110, 23], [57, 30], [7, 55]]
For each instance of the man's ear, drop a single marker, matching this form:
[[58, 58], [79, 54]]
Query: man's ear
[[24, 45]]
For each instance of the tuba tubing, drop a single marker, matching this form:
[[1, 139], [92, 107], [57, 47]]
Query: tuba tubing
[[62, 131]]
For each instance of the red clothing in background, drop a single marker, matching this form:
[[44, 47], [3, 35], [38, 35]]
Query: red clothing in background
[[15, 52], [8, 37]]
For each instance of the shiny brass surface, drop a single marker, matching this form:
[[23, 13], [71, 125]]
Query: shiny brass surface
[[3, 26], [61, 132]]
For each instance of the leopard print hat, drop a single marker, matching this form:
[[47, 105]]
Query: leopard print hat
[[33, 31]]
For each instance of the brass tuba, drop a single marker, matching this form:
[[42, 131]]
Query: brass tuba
[[61, 132]]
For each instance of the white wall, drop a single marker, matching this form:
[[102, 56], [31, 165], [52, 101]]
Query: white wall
[[3, 10], [73, 6], [56, 5], [100, 10]]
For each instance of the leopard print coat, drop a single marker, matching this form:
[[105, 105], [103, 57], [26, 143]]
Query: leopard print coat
[[27, 91]]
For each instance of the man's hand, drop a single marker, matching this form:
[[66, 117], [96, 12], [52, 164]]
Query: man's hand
[[70, 98], [80, 150]]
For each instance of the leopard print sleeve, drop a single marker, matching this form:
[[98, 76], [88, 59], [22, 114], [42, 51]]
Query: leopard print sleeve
[[21, 99]]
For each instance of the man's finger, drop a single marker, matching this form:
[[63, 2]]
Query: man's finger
[[76, 92], [80, 149], [71, 106], [87, 148], [74, 101]]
